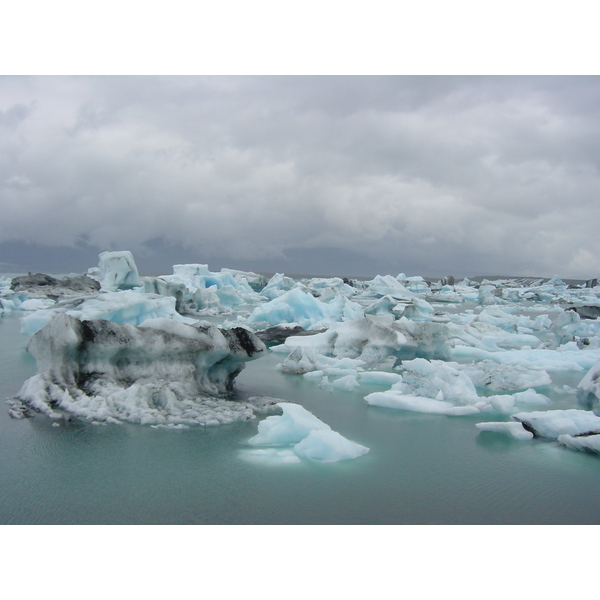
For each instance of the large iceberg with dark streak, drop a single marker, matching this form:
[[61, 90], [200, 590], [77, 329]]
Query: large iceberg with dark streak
[[160, 373]]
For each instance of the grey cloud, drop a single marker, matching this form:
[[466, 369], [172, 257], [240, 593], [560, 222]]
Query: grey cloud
[[433, 174]]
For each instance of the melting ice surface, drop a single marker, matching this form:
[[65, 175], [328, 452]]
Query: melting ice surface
[[511, 362]]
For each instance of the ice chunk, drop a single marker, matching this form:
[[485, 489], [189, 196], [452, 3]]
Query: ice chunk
[[514, 430], [398, 400], [537, 358], [385, 306], [310, 436], [256, 281], [589, 386], [375, 338], [290, 428], [389, 285], [429, 378], [39, 285], [552, 423], [530, 397], [419, 310], [277, 286], [309, 312], [305, 360], [587, 443], [200, 289], [117, 271], [347, 383], [159, 374], [125, 307], [328, 446], [494, 376], [379, 378]]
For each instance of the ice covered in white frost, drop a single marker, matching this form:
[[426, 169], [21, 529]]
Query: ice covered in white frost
[[161, 373], [309, 436]]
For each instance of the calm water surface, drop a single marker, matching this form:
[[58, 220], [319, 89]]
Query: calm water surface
[[421, 469]]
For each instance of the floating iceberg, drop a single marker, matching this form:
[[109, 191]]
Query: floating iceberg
[[160, 373], [39, 285], [296, 306], [499, 377], [585, 443], [310, 437], [553, 423], [401, 401], [116, 271], [375, 338], [198, 289], [589, 387]]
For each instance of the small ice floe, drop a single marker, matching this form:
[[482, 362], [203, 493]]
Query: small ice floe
[[586, 443], [554, 423], [298, 433], [400, 401]]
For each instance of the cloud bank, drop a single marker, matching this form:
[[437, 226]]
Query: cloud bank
[[427, 175]]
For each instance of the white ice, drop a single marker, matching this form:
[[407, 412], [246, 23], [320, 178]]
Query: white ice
[[552, 423], [297, 306], [116, 271], [587, 443], [514, 430], [400, 401], [128, 307], [309, 436]]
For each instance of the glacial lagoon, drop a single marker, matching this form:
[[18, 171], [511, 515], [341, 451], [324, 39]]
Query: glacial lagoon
[[420, 469]]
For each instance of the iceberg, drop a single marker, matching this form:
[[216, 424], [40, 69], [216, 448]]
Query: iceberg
[[298, 307], [328, 446], [553, 423], [437, 379], [39, 285], [310, 437], [198, 289], [116, 271], [499, 377], [584, 443], [277, 286], [375, 338], [588, 389], [124, 307], [161, 373], [400, 401]]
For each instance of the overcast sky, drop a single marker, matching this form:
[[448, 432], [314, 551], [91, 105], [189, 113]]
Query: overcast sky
[[326, 175]]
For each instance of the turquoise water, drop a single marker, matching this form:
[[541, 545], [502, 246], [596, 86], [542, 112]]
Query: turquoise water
[[420, 468]]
